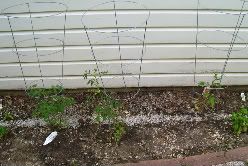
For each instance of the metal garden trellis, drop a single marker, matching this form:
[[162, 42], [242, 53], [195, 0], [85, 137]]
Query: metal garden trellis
[[116, 33], [18, 44], [240, 18]]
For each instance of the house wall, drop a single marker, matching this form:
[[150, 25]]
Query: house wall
[[170, 57]]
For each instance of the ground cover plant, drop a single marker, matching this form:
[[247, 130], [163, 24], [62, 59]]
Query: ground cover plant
[[50, 104], [240, 120]]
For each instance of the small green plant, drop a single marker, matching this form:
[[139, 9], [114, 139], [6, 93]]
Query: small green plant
[[50, 104], [106, 110], [208, 100], [107, 107], [8, 116], [216, 83], [3, 131], [240, 120], [74, 163], [94, 82], [38, 93], [57, 122], [119, 131]]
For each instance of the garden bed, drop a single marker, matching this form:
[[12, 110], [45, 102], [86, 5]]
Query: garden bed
[[160, 124]]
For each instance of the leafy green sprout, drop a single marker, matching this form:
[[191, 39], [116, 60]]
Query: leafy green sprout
[[3, 131], [107, 109], [119, 131], [38, 93], [50, 104], [240, 120], [48, 108], [210, 99], [216, 83], [8, 116], [208, 96], [94, 81]]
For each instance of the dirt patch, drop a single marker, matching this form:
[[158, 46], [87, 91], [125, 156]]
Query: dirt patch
[[88, 144]]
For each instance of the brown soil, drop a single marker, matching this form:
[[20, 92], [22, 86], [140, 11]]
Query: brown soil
[[89, 145]]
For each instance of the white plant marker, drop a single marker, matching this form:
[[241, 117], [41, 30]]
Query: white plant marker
[[1, 104], [51, 137], [243, 97]]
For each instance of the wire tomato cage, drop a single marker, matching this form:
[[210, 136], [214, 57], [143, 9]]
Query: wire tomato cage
[[32, 16], [117, 32], [218, 36]]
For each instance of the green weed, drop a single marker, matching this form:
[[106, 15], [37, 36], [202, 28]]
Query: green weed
[[240, 120], [51, 104], [3, 131], [208, 98], [40, 93], [106, 110], [107, 107], [119, 131], [8, 116]]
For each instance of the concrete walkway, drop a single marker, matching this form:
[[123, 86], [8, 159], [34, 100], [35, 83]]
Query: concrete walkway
[[234, 157], [233, 163]]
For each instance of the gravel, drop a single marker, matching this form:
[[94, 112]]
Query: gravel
[[72, 121]]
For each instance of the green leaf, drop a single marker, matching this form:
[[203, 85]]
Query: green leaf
[[202, 84]]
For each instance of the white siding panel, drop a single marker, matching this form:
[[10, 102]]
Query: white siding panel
[[125, 19], [150, 4], [129, 67], [153, 52], [156, 35], [117, 82]]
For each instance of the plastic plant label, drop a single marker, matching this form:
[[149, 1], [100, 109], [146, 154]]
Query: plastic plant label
[[51, 137], [243, 97]]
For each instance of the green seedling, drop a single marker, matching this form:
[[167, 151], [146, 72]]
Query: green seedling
[[50, 104], [8, 116], [3, 131], [107, 108], [119, 131], [94, 80], [40, 93], [215, 84], [208, 99], [240, 121]]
